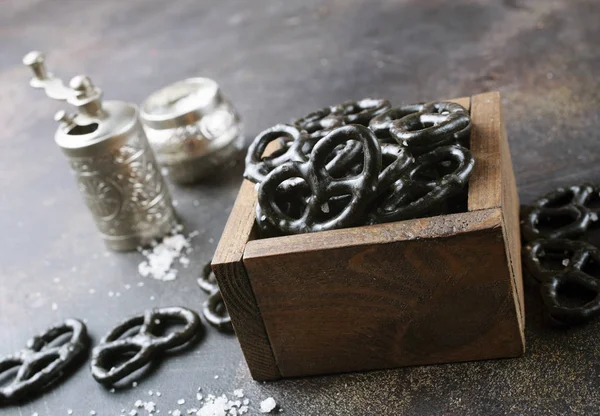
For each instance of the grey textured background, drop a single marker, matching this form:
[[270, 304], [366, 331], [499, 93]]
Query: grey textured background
[[278, 60]]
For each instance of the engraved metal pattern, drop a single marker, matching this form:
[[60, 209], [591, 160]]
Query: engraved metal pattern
[[124, 190], [193, 129], [111, 159], [214, 309], [146, 344], [41, 363], [560, 265]]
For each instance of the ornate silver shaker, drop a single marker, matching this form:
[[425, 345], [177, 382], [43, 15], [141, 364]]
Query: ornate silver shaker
[[194, 130], [110, 157]]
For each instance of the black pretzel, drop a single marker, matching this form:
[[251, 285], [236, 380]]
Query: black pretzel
[[40, 364], [144, 342], [320, 123], [292, 140], [559, 263], [569, 202], [416, 194], [362, 111], [323, 186], [439, 124], [214, 309], [396, 160], [381, 124]]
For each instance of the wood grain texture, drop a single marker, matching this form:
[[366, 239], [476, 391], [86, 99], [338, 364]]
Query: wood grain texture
[[511, 222], [236, 289], [383, 301], [484, 185]]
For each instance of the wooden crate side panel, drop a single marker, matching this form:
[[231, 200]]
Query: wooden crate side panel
[[387, 305], [237, 290], [511, 223], [486, 125]]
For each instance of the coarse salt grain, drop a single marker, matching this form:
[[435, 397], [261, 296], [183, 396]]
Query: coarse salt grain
[[150, 407], [267, 405], [69, 411], [176, 412], [238, 393], [181, 401]]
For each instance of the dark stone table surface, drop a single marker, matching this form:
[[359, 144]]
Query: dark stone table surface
[[277, 60]]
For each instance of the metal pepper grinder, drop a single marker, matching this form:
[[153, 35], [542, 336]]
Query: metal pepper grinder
[[110, 157]]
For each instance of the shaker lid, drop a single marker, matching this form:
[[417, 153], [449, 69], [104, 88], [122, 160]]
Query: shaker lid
[[183, 102], [95, 120]]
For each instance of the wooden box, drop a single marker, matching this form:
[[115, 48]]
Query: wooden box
[[424, 291]]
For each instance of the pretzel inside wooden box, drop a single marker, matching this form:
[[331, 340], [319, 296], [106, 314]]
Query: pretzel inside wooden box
[[423, 291]]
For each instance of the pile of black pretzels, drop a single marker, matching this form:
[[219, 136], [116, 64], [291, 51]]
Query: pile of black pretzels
[[359, 163], [562, 255]]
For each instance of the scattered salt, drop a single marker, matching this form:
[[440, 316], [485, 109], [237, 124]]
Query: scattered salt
[[111, 294], [152, 298], [69, 412], [159, 260], [565, 262], [176, 412], [138, 403], [92, 412], [54, 306], [198, 396], [267, 405], [134, 384], [133, 413], [246, 401], [127, 286], [140, 284], [150, 392], [238, 393], [150, 407], [92, 291], [216, 377], [181, 401]]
